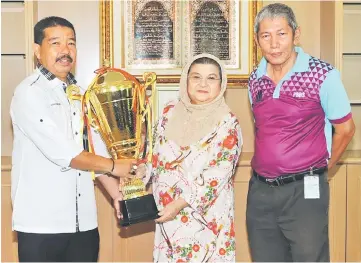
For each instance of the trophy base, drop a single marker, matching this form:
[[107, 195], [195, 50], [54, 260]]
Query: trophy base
[[137, 210]]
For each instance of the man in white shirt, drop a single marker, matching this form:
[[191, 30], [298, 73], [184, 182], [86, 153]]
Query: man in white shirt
[[54, 209]]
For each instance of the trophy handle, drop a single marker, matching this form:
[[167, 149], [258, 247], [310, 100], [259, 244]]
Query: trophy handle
[[73, 94], [150, 80]]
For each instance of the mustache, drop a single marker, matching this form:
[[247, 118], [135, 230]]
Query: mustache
[[65, 56]]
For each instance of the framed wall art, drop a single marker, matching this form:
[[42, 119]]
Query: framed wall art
[[153, 28], [162, 35]]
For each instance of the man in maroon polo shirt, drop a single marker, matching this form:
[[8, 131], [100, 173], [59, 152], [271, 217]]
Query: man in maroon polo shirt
[[296, 99]]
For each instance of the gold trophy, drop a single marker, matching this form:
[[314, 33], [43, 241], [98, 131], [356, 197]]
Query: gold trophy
[[119, 108]]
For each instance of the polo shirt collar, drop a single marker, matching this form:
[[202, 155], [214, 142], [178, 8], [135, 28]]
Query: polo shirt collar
[[301, 64]]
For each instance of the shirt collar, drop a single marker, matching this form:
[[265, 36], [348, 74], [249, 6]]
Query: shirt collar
[[50, 76], [301, 64]]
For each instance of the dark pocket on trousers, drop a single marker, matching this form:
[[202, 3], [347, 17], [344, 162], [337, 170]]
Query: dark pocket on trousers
[[251, 182]]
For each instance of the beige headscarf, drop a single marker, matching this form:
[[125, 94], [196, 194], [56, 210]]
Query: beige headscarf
[[189, 122]]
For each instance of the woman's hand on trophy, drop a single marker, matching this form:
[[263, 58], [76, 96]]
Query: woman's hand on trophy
[[171, 210], [123, 167]]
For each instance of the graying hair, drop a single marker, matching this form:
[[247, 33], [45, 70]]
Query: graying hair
[[274, 11]]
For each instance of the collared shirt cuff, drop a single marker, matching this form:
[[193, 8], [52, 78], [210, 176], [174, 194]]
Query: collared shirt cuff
[[77, 149]]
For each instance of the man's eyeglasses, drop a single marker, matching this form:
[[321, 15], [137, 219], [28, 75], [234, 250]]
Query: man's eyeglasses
[[199, 79]]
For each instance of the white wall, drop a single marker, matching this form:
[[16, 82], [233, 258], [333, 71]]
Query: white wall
[[84, 15]]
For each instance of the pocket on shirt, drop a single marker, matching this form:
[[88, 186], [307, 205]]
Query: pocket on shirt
[[59, 113]]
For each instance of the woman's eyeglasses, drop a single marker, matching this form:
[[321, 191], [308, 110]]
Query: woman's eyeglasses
[[209, 80]]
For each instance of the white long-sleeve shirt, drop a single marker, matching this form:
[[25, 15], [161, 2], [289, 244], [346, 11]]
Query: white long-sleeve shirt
[[47, 195]]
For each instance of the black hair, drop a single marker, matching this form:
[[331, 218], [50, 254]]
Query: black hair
[[50, 21], [207, 60]]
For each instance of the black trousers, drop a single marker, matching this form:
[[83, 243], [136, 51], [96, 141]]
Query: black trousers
[[64, 247], [283, 226]]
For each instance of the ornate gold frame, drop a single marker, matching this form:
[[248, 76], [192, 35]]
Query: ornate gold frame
[[106, 31], [107, 49]]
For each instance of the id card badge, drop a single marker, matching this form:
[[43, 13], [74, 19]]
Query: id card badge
[[311, 187]]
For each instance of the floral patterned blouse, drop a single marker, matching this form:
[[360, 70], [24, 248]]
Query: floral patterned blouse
[[201, 174]]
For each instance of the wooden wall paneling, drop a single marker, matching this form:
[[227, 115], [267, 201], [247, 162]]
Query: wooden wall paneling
[[350, 76], [9, 244], [105, 223], [13, 70], [353, 241], [241, 180], [139, 242], [327, 39], [351, 33], [31, 18], [13, 28], [337, 212], [355, 143], [120, 245]]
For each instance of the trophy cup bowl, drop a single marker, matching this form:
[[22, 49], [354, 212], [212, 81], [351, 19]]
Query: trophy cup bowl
[[119, 108]]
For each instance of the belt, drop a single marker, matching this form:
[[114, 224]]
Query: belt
[[288, 178]]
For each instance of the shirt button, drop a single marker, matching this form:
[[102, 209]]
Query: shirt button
[[76, 133], [74, 113], [79, 194], [79, 174], [41, 120]]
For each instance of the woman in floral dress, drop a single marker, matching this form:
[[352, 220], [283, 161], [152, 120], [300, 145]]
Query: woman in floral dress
[[197, 142]]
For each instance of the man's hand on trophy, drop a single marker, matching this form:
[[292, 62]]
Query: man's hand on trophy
[[141, 171], [123, 167]]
